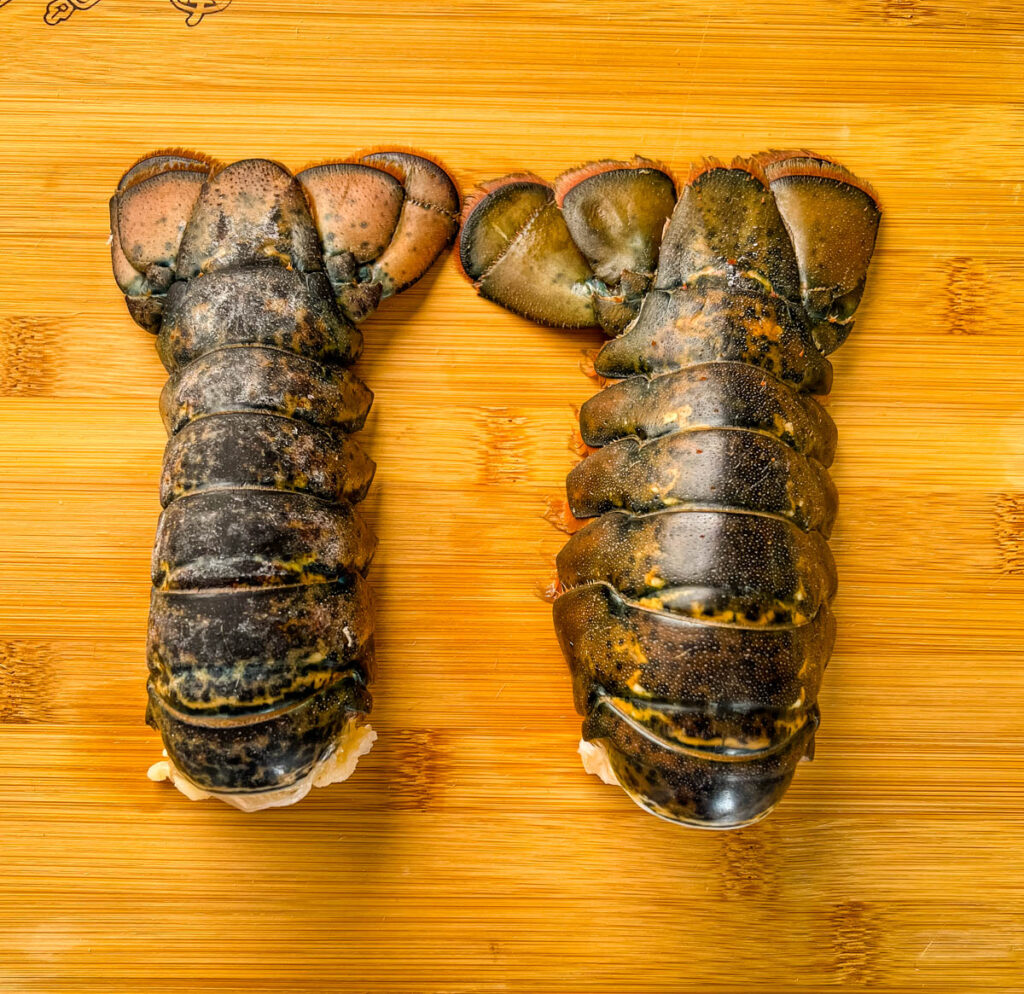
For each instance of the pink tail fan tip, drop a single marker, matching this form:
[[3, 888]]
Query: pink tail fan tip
[[383, 218]]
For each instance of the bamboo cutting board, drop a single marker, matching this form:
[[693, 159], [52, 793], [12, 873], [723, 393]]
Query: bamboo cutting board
[[470, 853]]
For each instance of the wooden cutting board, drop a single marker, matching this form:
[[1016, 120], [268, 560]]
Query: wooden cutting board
[[470, 852]]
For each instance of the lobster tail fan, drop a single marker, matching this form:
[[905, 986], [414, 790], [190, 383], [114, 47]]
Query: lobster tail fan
[[832, 218], [726, 225], [575, 255], [616, 214], [516, 249], [148, 214], [426, 226]]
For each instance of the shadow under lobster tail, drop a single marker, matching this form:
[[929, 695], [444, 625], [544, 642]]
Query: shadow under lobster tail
[[694, 609], [260, 646]]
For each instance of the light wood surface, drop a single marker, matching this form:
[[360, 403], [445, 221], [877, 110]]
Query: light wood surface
[[470, 853]]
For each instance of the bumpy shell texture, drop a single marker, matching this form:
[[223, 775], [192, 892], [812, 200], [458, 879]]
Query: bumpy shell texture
[[694, 606], [260, 646]]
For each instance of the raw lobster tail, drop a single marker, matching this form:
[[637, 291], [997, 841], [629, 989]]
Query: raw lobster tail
[[694, 610], [260, 645]]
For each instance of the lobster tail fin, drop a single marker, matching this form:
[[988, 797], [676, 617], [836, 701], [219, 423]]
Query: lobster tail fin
[[148, 215], [356, 208], [250, 213], [575, 255], [383, 219], [428, 222], [726, 225], [166, 161], [832, 218], [493, 217], [517, 250], [616, 213]]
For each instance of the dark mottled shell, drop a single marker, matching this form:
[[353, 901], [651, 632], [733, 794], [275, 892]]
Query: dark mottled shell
[[252, 213], [694, 610], [727, 221], [709, 395], [734, 568], [700, 790], [229, 651], [622, 648], [268, 750], [243, 379], [709, 323], [686, 468], [239, 538], [264, 305], [264, 451]]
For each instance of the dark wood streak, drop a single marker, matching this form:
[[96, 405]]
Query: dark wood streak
[[749, 863], [1009, 513], [855, 939], [418, 768], [502, 441], [27, 345], [905, 12], [27, 689], [966, 292]]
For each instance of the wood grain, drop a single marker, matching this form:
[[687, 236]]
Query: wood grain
[[470, 853]]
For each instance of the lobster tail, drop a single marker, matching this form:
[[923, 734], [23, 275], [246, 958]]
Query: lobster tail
[[260, 642], [694, 611]]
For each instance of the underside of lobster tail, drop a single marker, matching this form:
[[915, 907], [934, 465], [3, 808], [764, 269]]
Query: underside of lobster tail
[[694, 610], [260, 645]]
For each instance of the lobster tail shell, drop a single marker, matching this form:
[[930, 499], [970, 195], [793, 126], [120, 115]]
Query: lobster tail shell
[[260, 643], [694, 609], [832, 218]]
